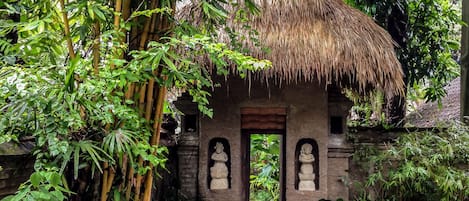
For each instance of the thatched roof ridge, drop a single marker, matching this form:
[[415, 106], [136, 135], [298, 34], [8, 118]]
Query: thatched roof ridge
[[323, 40]]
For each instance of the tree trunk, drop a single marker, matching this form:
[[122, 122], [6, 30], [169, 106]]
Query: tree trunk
[[397, 27], [465, 63]]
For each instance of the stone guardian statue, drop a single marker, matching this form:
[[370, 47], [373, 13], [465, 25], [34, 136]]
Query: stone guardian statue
[[306, 174], [219, 171]]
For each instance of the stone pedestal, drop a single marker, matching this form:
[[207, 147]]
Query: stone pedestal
[[188, 154], [306, 182]]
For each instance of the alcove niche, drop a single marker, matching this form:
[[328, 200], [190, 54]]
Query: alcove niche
[[315, 152], [211, 151]]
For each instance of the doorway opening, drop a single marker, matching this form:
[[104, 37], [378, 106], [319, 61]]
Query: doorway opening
[[265, 167], [263, 153]]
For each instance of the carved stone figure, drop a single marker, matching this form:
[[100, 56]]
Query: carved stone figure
[[306, 174], [219, 171]]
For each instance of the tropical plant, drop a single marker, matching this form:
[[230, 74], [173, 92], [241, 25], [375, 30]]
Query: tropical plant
[[87, 79], [427, 34], [427, 165], [265, 167]]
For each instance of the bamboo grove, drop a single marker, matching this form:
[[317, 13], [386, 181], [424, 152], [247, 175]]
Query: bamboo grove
[[88, 80]]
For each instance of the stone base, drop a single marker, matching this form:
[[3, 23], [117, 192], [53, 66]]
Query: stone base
[[307, 186], [219, 184]]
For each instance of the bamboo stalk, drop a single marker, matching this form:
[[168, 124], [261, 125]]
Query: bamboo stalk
[[96, 42], [163, 24], [125, 15], [154, 21], [67, 30], [134, 33], [143, 41], [128, 96], [148, 185], [117, 9], [105, 179], [126, 9], [149, 25], [132, 91], [71, 52], [130, 176], [148, 106], [129, 93], [138, 182], [141, 101], [109, 175], [148, 112], [125, 164], [112, 175], [140, 159], [155, 140], [146, 27]]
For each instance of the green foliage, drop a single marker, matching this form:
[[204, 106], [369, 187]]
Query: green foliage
[[41, 186], [182, 71], [367, 111], [427, 32], [265, 167], [81, 119], [428, 165]]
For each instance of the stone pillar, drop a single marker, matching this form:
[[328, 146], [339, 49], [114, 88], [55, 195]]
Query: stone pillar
[[465, 64], [339, 151], [338, 173], [188, 147], [188, 154]]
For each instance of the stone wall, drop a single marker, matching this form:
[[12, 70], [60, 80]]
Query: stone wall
[[307, 117], [369, 141], [16, 166], [338, 173]]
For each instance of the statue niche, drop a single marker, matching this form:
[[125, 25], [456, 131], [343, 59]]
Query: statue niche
[[219, 170], [306, 174]]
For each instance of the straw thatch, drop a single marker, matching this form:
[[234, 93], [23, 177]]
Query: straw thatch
[[428, 115], [324, 40]]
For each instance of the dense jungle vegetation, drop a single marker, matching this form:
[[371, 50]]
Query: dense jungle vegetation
[[87, 79]]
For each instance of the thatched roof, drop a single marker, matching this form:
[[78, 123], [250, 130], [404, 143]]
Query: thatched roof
[[430, 114], [324, 40]]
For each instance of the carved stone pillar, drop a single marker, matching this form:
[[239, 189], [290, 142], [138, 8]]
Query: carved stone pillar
[[188, 148], [188, 155]]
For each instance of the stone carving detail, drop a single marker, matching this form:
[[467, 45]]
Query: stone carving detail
[[306, 174], [219, 171]]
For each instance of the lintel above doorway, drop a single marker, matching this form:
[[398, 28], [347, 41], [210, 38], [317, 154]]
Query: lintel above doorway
[[263, 118]]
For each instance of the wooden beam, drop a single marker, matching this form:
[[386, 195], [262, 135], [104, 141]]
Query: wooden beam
[[264, 111]]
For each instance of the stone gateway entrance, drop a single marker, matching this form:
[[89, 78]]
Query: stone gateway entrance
[[262, 120], [266, 121], [313, 160]]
